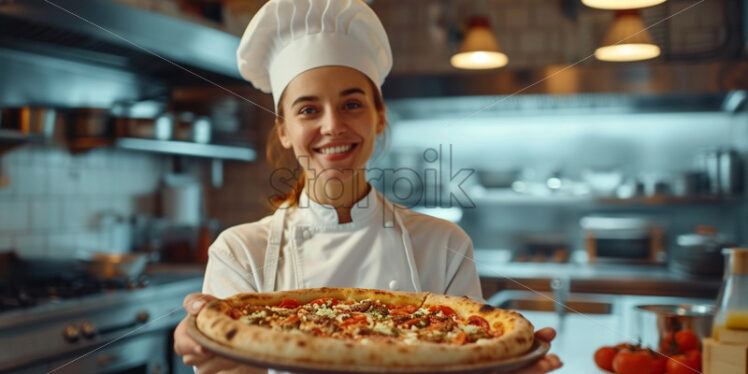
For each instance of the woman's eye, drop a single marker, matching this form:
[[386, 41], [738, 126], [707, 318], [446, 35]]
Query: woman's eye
[[307, 110], [352, 105]]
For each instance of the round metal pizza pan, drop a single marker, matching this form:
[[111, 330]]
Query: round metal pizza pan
[[537, 351]]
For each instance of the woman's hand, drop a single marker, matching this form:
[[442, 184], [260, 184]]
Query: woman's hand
[[194, 354], [547, 363]]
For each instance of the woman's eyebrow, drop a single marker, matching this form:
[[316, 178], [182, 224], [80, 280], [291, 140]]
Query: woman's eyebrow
[[351, 91], [305, 98]]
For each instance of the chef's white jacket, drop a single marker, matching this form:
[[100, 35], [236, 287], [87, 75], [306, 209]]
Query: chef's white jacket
[[386, 246]]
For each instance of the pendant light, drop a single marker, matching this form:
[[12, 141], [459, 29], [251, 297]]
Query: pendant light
[[479, 49], [627, 39], [621, 4]]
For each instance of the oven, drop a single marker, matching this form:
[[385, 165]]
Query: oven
[[125, 329], [623, 239]]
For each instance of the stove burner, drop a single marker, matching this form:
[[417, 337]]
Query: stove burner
[[41, 291]]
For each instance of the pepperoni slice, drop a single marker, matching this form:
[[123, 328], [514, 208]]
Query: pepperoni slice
[[324, 301], [447, 311], [404, 310], [479, 321], [289, 303], [355, 318], [291, 319]]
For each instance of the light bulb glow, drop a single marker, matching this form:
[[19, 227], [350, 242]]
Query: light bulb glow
[[621, 4], [627, 52], [479, 60]]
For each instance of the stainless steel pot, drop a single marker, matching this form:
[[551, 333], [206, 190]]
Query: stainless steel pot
[[699, 254], [107, 266], [655, 322]]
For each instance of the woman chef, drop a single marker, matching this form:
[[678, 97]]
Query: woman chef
[[324, 62]]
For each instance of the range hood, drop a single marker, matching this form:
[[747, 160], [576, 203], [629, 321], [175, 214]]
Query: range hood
[[644, 78], [119, 36]]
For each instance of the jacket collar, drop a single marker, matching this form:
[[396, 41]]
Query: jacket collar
[[311, 212]]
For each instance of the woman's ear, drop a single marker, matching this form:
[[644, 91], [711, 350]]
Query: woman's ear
[[282, 134], [382, 121]]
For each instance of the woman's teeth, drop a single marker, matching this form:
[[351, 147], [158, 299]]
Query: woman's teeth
[[337, 149]]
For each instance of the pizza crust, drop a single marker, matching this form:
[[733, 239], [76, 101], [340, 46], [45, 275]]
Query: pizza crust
[[264, 344]]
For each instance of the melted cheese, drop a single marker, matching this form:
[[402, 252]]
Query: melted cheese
[[471, 329], [325, 312]]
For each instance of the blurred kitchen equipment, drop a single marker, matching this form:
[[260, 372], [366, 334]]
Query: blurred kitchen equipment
[[603, 182], [542, 248], [181, 199], [727, 349], [732, 303], [4, 179], [57, 309], [29, 120], [688, 183], [699, 253], [656, 324], [655, 184], [89, 123], [724, 171], [623, 239], [110, 266], [730, 173], [193, 129], [498, 178]]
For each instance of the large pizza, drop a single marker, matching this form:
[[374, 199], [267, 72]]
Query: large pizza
[[352, 327]]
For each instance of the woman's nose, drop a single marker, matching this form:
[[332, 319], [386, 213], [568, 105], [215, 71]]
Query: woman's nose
[[332, 123]]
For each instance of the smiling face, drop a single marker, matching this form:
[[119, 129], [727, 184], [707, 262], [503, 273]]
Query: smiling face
[[330, 116]]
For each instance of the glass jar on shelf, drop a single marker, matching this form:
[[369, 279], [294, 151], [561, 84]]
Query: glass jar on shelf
[[732, 303]]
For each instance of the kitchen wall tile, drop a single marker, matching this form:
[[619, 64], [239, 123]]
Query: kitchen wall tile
[[55, 200], [31, 245], [14, 214], [6, 241], [61, 245], [517, 16], [88, 241], [44, 213]]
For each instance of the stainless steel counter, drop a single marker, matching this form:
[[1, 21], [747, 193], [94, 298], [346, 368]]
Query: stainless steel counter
[[497, 273]]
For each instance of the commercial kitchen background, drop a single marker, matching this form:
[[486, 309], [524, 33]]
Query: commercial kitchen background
[[581, 138]]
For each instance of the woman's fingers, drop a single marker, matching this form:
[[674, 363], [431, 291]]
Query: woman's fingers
[[197, 359], [194, 302], [183, 342], [548, 363], [546, 334]]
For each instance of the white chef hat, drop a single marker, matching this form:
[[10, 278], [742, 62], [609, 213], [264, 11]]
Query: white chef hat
[[287, 37]]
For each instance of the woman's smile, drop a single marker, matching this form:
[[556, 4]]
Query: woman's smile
[[336, 151]]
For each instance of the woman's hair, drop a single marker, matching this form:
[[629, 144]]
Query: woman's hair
[[280, 157]]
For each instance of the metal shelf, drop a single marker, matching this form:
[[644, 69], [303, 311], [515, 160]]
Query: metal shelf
[[214, 151], [15, 137], [507, 196]]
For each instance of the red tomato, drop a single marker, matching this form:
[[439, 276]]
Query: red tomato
[[659, 365], [444, 309], [604, 357], [479, 321], [404, 310], [686, 340], [633, 362], [324, 301], [460, 338], [668, 345], [354, 319], [290, 319], [684, 364], [289, 303]]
